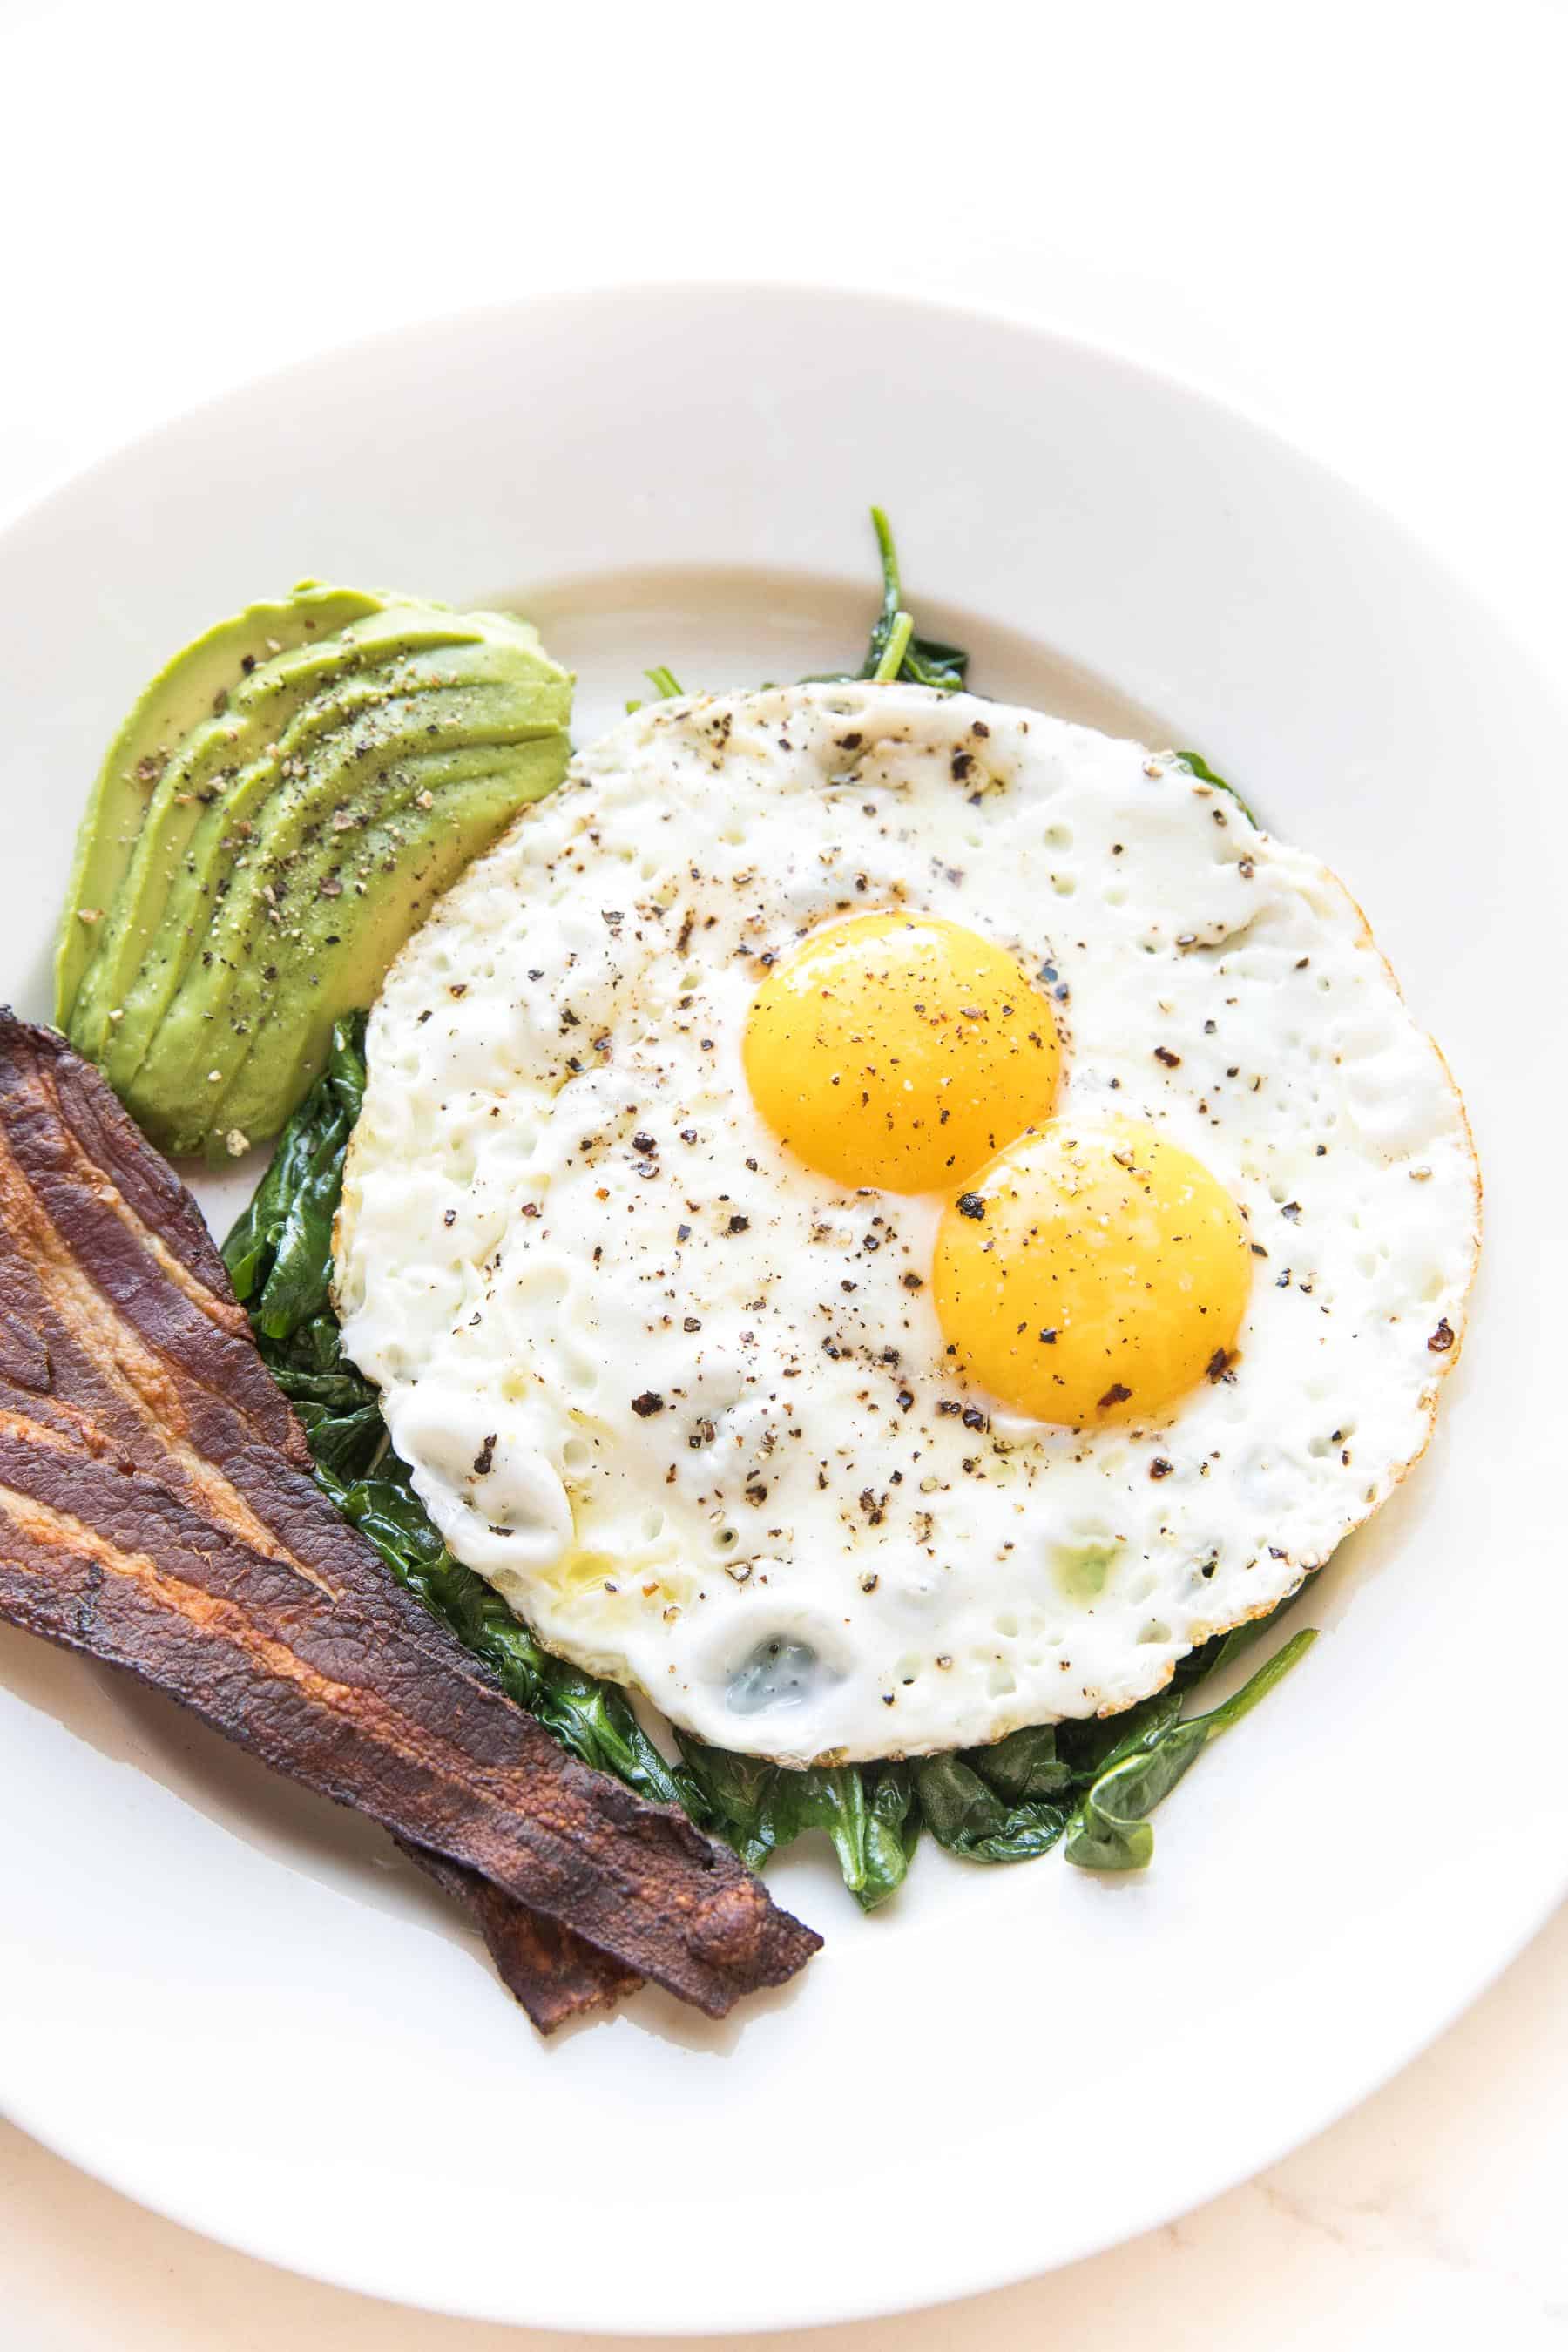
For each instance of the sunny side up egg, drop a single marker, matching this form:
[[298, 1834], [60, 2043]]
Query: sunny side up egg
[[879, 1219]]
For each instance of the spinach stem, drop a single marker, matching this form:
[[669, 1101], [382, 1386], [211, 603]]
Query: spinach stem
[[892, 588], [1273, 1670], [897, 646]]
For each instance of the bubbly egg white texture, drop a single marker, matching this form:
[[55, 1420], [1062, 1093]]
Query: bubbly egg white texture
[[686, 1402]]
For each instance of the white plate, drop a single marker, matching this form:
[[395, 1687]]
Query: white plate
[[230, 2000]]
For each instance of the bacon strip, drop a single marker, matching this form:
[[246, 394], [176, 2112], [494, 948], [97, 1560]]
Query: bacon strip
[[156, 1512], [553, 1973]]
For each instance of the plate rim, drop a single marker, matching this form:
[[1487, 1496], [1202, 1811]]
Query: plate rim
[[1158, 380]]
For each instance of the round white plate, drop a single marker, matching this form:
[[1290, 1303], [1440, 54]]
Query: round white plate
[[233, 2001]]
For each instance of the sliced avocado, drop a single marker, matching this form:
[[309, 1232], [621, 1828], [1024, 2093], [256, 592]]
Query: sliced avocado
[[298, 906], [212, 784], [266, 832], [181, 696], [426, 858], [331, 758]]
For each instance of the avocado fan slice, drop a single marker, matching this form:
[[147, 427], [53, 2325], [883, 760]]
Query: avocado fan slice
[[174, 703], [320, 923], [473, 816], [210, 781], [264, 832], [330, 761]]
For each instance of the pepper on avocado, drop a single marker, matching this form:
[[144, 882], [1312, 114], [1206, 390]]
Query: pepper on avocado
[[276, 816]]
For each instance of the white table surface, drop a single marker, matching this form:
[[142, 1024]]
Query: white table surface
[[1347, 220]]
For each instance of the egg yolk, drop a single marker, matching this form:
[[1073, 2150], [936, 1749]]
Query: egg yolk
[[1094, 1273], [899, 1051]]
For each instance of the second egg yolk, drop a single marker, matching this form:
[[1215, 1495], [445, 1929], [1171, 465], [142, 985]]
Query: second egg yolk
[[899, 1051], [1093, 1272]]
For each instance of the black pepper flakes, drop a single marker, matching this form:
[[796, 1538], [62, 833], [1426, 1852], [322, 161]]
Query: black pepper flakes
[[970, 1205], [1442, 1339], [647, 1404]]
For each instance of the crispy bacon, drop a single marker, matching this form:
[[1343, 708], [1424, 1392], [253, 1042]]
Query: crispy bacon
[[553, 1973], [156, 1512]]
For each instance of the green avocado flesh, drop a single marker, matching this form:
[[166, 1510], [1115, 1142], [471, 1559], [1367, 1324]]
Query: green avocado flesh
[[278, 813]]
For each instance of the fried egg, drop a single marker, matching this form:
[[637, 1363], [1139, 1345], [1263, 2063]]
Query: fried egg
[[878, 1218]]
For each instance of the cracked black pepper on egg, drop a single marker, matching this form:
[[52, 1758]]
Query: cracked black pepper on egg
[[923, 1213]]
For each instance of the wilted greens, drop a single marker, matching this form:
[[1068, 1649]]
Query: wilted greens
[[895, 651], [1109, 1827]]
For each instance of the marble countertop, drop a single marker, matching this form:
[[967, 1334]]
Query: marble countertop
[[1349, 222]]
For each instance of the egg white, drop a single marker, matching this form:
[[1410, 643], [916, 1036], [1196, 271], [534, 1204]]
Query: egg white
[[679, 1398]]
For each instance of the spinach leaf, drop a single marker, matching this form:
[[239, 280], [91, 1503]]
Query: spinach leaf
[[1109, 1830], [867, 1811], [343, 1426], [968, 1816], [1017, 1800], [895, 651], [1092, 1742], [1008, 1802], [1026, 1766], [280, 1255]]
